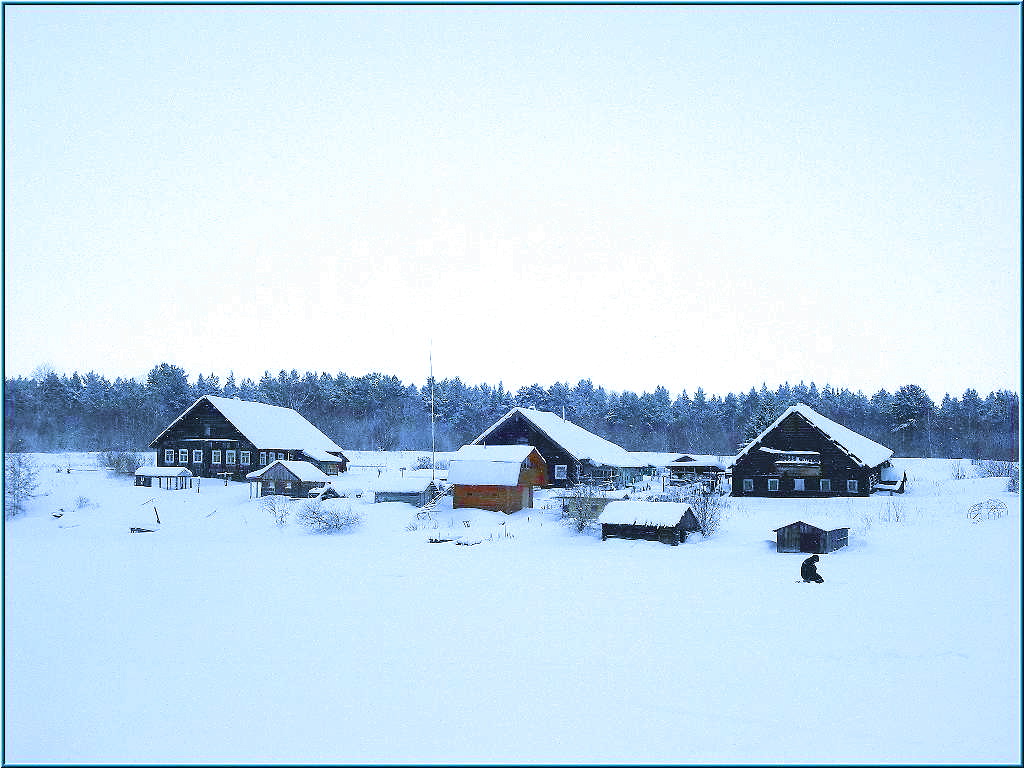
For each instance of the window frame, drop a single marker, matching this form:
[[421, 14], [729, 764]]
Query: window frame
[[169, 457], [230, 457], [561, 472], [773, 480], [748, 485], [825, 485], [215, 456], [244, 458], [798, 484], [183, 456], [852, 486], [197, 455]]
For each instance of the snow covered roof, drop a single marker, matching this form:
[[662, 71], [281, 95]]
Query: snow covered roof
[[666, 513], [517, 453], [814, 524], [700, 460], [303, 470], [653, 458], [862, 450], [483, 472], [583, 445], [266, 426], [402, 484], [151, 471], [321, 455]]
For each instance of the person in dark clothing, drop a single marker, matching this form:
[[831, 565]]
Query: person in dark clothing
[[809, 571]]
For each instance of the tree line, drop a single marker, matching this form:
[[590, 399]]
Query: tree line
[[50, 412]]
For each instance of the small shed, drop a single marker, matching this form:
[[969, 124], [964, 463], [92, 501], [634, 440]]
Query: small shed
[[171, 478], [324, 492], [288, 478], [667, 521], [410, 490], [500, 478], [806, 537]]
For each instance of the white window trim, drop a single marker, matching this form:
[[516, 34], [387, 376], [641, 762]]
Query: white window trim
[[799, 484], [215, 457], [183, 455], [169, 456], [280, 456], [244, 458], [773, 480], [748, 484], [229, 457], [561, 471], [197, 456], [852, 486], [825, 485], [263, 458]]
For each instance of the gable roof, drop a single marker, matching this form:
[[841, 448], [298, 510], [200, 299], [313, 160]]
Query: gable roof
[[862, 450], [303, 471], [403, 485], [516, 453], [577, 441], [265, 426]]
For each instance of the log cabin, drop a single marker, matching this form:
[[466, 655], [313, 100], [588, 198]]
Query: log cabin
[[228, 437], [802, 454], [288, 478], [667, 522], [572, 454]]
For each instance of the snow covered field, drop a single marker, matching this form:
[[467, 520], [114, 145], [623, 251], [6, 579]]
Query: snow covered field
[[222, 638]]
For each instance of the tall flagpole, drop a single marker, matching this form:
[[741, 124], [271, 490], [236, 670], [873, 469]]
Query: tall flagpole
[[433, 461]]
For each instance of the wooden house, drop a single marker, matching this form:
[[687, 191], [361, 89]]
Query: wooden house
[[805, 537], [804, 454], [572, 454], [171, 478], [288, 478], [417, 491], [495, 477], [667, 522], [693, 467], [227, 437]]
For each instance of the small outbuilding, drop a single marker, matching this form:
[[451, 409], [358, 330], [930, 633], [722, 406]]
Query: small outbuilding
[[666, 521], [806, 537], [410, 490], [500, 478], [288, 478], [171, 478]]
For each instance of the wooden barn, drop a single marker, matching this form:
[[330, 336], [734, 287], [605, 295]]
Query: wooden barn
[[803, 454], [495, 477], [288, 478], [667, 522], [805, 537], [171, 478], [417, 491], [572, 454], [227, 437]]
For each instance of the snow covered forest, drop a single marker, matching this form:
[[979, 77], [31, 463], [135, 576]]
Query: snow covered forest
[[56, 412]]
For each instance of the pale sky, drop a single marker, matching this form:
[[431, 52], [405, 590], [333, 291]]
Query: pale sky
[[711, 196]]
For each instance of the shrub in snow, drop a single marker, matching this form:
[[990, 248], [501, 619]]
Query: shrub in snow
[[990, 468], [578, 512], [705, 501], [278, 508], [320, 517], [20, 483], [425, 462], [121, 462]]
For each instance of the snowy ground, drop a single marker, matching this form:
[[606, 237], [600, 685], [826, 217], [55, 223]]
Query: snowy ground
[[221, 638]]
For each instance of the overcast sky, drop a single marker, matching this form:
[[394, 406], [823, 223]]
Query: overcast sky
[[711, 196]]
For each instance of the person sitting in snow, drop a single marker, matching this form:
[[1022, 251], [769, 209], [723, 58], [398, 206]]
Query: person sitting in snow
[[809, 571]]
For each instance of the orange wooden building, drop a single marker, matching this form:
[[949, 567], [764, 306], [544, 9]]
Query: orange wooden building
[[496, 477]]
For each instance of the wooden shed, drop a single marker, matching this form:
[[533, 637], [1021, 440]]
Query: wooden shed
[[171, 478], [500, 478], [668, 522], [288, 478], [805, 537], [410, 490]]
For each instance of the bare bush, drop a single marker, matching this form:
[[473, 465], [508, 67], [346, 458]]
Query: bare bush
[[581, 507], [278, 507], [707, 505], [121, 462], [319, 517], [20, 483]]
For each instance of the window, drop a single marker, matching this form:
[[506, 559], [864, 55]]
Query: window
[[748, 485], [280, 456], [215, 457], [851, 486], [229, 456], [168, 456], [197, 456], [826, 486], [288, 485], [206, 430], [263, 458], [270, 486], [183, 455], [798, 483], [244, 458], [773, 484], [561, 471]]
